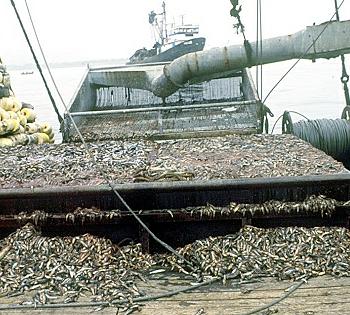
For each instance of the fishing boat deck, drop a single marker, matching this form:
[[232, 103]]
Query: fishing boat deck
[[140, 160], [321, 295]]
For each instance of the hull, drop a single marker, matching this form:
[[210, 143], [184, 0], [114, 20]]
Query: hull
[[179, 50]]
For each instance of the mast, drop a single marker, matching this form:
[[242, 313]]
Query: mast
[[165, 31]]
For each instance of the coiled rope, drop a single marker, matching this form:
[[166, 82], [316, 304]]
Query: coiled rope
[[329, 135]]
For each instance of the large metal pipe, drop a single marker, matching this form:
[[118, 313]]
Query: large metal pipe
[[327, 40]]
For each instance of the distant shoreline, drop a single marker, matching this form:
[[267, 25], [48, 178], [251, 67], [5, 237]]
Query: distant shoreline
[[71, 64]]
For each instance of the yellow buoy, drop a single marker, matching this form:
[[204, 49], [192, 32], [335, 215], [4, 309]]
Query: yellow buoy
[[51, 135], [11, 103], [12, 125], [22, 119], [46, 128], [21, 129], [42, 138], [6, 103], [20, 138], [32, 128], [13, 115], [17, 105], [5, 142], [2, 128], [29, 113], [4, 114]]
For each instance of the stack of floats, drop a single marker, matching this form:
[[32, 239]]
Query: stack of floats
[[18, 124]]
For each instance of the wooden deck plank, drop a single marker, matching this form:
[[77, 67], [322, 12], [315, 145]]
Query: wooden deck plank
[[323, 295], [309, 292], [224, 309]]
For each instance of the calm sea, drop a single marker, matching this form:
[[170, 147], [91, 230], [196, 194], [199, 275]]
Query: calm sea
[[313, 89]]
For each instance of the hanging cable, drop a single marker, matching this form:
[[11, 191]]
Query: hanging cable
[[260, 51], [110, 184], [289, 291], [235, 12], [303, 55], [287, 121], [43, 56], [59, 117], [259, 70], [345, 77], [257, 51]]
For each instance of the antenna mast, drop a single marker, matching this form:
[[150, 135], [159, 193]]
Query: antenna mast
[[164, 23]]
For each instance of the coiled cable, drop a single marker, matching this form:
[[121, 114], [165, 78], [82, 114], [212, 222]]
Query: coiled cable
[[329, 135]]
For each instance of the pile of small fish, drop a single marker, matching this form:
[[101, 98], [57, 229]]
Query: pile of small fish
[[286, 253], [82, 215], [315, 205], [226, 157], [61, 269], [312, 205], [79, 215], [56, 270], [18, 124]]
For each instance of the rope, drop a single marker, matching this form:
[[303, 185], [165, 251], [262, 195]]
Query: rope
[[235, 12], [274, 125], [149, 298], [60, 119], [286, 116], [259, 68], [258, 56], [112, 303], [345, 77], [303, 55], [105, 177], [283, 297]]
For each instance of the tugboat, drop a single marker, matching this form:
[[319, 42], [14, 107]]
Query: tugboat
[[170, 44]]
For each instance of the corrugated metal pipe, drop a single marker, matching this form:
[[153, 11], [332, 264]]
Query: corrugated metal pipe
[[326, 40]]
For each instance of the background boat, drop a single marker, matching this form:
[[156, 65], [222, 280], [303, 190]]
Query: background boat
[[171, 42]]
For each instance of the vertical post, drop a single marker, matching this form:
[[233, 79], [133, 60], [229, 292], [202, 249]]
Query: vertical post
[[144, 239]]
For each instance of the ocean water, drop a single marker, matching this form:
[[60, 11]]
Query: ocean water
[[313, 89], [30, 88]]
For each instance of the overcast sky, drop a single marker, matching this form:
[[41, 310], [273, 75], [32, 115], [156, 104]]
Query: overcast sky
[[73, 30]]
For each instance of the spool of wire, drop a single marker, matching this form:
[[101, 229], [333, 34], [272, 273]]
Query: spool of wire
[[329, 135]]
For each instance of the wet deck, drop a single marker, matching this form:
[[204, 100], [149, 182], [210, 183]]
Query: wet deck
[[322, 295]]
